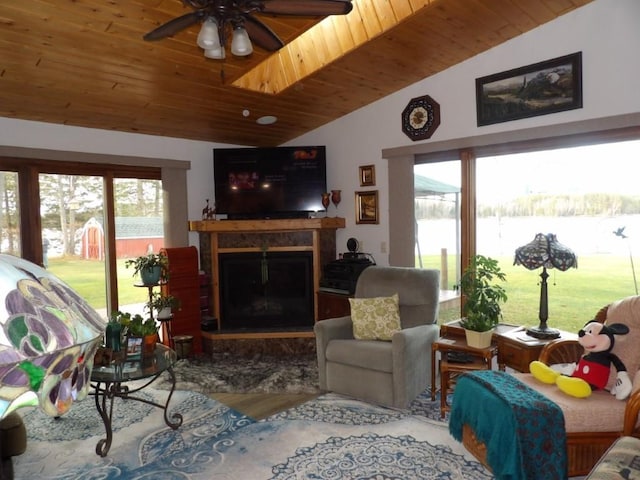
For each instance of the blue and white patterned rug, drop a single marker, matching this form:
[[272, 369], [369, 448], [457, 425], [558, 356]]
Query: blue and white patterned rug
[[332, 437]]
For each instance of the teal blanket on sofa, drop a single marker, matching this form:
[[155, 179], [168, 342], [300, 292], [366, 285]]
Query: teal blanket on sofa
[[523, 430]]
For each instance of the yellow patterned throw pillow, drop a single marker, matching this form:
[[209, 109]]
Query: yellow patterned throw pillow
[[376, 318]]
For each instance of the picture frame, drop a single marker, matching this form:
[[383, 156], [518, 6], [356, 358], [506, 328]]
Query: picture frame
[[367, 175], [541, 88], [134, 348], [367, 207]]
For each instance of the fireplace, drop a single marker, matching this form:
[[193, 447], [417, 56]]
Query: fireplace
[[262, 291]]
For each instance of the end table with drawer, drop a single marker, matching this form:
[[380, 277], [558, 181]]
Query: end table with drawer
[[456, 358], [511, 344]]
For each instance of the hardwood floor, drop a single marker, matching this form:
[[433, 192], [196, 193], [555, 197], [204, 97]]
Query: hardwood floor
[[262, 405]]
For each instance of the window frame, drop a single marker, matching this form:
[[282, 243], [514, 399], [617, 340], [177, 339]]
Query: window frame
[[28, 171]]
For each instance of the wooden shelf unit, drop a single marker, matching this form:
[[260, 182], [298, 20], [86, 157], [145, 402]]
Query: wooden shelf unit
[[315, 235], [184, 284]]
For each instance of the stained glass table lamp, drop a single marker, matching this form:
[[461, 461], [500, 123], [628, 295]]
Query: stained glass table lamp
[[545, 251], [48, 338]]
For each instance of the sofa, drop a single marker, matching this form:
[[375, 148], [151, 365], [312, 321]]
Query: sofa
[[592, 425], [620, 461]]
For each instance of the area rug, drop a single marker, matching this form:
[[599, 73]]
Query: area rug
[[228, 373], [331, 437]]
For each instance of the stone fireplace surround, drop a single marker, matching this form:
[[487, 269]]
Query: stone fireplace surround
[[220, 238]]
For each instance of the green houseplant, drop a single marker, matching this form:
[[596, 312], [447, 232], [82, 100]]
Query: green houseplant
[[482, 298], [163, 304], [152, 268], [135, 324]]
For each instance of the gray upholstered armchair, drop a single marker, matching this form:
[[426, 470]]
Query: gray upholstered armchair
[[391, 373]]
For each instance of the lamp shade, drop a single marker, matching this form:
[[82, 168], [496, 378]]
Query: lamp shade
[[48, 338], [209, 38], [545, 251], [240, 43]]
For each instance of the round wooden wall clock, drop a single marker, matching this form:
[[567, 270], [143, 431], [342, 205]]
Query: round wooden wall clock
[[420, 118]]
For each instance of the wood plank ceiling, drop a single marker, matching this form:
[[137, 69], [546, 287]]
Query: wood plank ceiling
[[84, 63]]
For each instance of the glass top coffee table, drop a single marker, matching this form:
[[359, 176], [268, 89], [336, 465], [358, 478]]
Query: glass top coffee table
[[109, 382]]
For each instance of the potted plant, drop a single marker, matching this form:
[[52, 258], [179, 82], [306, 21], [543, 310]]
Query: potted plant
[[152, 268], [163, 305], [137, 326], [482, 298]]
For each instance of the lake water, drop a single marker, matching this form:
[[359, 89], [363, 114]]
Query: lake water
[[501, 236]]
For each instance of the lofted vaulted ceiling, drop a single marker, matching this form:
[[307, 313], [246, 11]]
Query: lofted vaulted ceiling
[[84, 63]]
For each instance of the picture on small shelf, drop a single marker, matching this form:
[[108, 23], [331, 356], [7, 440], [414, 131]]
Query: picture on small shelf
[[134, 348]]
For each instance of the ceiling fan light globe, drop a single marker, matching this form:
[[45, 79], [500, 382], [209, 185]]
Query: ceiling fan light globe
[[240, 43], [215, 53], [208, 37]]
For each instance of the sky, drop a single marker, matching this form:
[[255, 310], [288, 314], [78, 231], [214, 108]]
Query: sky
[[613, 167]]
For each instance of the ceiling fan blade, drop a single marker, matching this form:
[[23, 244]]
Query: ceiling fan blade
[[262, 35], [310, 8], [174, 26]]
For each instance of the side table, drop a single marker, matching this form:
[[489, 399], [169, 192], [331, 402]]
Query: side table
[[478, 359], [110, 382], [517, 350]]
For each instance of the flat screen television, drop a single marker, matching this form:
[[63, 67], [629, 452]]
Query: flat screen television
[[277, 182]]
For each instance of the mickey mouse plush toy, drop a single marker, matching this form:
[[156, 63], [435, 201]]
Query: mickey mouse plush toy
[[592, 371]]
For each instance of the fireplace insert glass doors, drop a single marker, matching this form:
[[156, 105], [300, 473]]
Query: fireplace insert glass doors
[[266, 291]]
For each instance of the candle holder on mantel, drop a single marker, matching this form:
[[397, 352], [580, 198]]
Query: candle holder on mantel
[[336, 197], [326, 201]]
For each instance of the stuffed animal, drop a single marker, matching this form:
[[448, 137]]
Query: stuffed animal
[[592, 371]]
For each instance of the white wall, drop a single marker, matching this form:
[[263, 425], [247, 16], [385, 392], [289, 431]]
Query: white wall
[[23, 133], [606, 31]]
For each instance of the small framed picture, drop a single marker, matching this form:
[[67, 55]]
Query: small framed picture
[[367, 207], [134, 348], [367, 175]]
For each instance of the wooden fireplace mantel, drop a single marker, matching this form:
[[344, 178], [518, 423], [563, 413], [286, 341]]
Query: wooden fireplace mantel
[[315, 235], [284, 225]]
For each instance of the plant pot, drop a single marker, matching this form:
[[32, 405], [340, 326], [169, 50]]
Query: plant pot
[[151, 276], [164, 313], [149, 345], [478, 339]]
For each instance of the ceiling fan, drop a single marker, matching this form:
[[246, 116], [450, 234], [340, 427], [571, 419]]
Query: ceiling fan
[[218, 16]]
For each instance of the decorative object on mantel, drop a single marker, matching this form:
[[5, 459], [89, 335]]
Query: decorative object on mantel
[[208, 212], [367, 176], [545, 251], [223, 17], [336, 198], [538, 89], [421, 118], [482, 297], [50, 337], [367, 207], [326, 201]]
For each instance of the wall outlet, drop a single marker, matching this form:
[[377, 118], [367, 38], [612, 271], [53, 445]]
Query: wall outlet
[[383, 247]]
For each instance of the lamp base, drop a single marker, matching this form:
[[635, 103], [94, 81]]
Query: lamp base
[[543, 333]]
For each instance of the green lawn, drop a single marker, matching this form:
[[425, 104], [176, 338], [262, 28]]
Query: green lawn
[[574, 296], [87, 277]]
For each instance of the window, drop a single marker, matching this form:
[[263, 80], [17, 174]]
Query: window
[[586, 196], [66, 219], [579, 187], [437, 213], [9, 214]]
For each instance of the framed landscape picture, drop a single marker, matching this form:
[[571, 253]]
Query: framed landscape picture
[[541, 88], [367, 207]]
